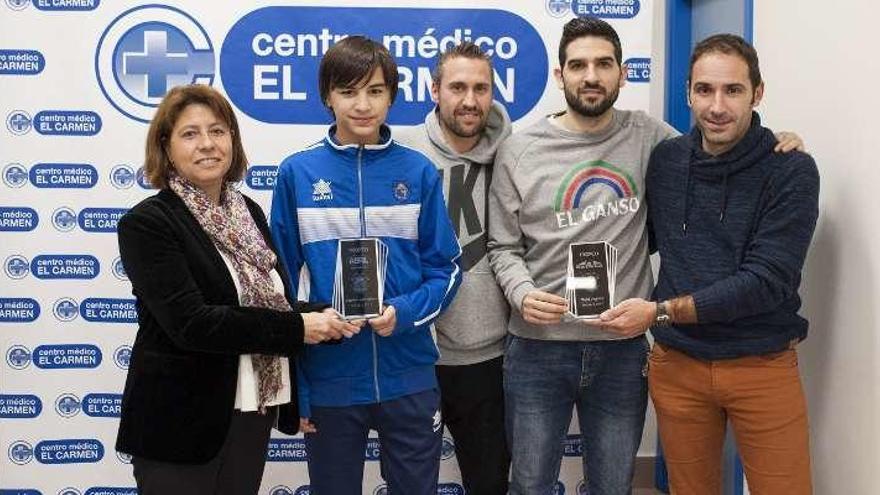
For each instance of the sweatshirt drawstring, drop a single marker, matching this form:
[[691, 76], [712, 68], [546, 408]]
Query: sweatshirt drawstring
[[687, 193], [724, 193]]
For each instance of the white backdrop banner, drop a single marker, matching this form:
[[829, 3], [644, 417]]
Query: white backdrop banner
[[80, 79]]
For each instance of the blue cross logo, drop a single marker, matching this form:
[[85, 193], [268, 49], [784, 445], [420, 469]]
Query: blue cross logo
[[122, 358], [447, 449], [20, 452], [155, 62], [18, 357], [122, 176], [148, 50], [64, 219], [119, 269], [67, 405], [18, 122], [16, 267], [66, 309], [17, 4], [558, 8], [142, 179], [14, 175]]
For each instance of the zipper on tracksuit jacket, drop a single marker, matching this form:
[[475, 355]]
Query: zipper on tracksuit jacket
[[363, 218]]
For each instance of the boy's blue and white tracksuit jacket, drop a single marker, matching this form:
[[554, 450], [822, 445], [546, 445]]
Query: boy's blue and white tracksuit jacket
[[328, 192]]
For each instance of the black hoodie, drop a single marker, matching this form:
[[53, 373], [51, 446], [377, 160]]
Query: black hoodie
[[732, 231]]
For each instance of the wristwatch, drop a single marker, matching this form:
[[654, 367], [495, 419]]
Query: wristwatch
[[662, 318]]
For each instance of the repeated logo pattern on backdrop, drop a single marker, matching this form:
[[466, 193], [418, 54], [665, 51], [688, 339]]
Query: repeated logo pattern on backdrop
[[74, 113]]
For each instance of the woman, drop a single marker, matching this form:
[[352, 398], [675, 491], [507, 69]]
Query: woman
[[209, 372]]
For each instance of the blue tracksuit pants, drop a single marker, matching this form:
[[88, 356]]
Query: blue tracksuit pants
[[410, 436]]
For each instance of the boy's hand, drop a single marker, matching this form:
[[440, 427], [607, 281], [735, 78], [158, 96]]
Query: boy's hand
[[385, 323]]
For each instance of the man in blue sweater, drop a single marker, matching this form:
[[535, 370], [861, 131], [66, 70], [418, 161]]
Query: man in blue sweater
[[732, 221]]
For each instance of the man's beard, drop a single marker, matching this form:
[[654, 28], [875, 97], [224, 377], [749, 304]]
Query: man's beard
[[595, 110], [462, 131]]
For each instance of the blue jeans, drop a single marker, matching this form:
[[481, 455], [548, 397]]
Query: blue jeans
[[607, 383]]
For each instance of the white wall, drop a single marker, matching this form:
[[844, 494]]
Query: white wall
[[713, 16], [821, 74], [658, 61]]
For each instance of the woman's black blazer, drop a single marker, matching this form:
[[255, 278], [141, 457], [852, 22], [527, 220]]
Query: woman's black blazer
[[180, 390]]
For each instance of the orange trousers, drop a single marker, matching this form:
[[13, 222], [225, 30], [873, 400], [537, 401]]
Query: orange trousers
[[764, 401]]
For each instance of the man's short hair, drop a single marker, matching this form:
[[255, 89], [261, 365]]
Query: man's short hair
[[465, 49], [580, 27], [728, 44]]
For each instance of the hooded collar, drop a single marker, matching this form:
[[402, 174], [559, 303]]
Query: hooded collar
[[384, 141], [497, 129], [754, 146]]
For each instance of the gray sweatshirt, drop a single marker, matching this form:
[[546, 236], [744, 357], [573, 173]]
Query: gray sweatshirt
[[472, 329], [554, 187]]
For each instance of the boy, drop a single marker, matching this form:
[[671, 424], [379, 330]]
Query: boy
[[359, 183]]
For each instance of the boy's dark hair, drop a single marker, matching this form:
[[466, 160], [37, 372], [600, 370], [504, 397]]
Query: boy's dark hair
[[465, 49], [580, 27], [352, 60], [728, 44]]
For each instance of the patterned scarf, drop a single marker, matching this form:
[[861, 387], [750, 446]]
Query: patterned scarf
[[234, 232]]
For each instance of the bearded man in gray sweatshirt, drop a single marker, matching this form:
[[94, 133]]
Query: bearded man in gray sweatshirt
[[461, 136], [576, 176]]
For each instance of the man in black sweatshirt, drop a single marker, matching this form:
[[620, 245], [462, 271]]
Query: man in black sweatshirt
[[732, 221]]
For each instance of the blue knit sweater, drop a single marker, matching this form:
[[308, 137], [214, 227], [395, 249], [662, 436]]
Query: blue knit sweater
[[732, 231]]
